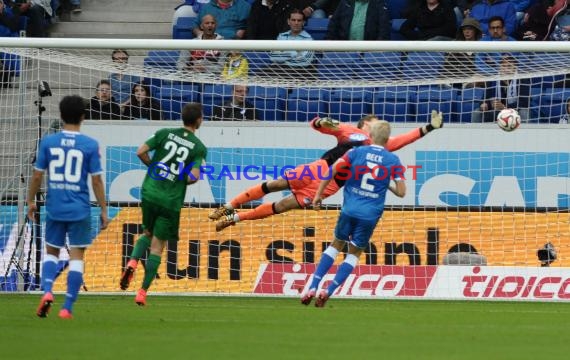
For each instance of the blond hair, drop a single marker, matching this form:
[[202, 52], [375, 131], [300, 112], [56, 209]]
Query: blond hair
[[380, 132]]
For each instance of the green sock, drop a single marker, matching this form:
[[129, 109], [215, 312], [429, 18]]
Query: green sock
[[141, 245], [152, 264]]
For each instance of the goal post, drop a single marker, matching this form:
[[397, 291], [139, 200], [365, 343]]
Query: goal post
[[485, 217]]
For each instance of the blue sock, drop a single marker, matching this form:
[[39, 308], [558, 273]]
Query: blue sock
[[327, 260], [343, 272], [74, 281], [49, 271]]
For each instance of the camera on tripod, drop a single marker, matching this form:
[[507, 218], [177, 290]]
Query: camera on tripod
[[43, 89]]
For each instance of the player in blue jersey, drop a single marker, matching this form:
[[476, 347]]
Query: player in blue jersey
[[368, 171], [69, 158]]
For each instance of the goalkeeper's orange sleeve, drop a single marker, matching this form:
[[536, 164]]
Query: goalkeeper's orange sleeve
[[399, 141]]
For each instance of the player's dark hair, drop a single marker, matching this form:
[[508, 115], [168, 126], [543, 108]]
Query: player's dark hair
[[332, 155], [116, 51], [191, 112], [72, 109], [296, 11], [497, 18], [365, 119]]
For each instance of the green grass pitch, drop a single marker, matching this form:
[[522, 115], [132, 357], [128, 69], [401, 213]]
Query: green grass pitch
[[186, 327]]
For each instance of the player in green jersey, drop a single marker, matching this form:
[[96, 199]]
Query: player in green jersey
[[178, 155]]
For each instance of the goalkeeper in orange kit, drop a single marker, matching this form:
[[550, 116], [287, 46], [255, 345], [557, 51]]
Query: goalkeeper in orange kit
[[303, 181]]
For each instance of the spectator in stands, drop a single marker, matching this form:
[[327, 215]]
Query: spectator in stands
[[319, 9], [359, 20], [141, 105], [489, 62], [521, 6], [203, 60], [564, 118], [102, 106], [464, 62], [485, 10], [231, 16], [121, 84], [432, 20], [465, 6], [561, 21], [535, 22], [237, 109], [294, 63], [9, 21], [38, 13], [236, 66], [502, 94], [267, 19]]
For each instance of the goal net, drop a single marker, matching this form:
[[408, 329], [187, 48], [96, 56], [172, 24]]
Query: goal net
[[485, 216]]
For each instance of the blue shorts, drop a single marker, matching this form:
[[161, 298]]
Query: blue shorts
[[78, 233], [355, 230]]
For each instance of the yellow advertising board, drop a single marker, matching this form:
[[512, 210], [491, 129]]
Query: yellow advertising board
[[228, 262]]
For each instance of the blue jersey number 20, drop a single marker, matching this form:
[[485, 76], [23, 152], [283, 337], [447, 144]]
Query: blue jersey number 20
[[65, 167]]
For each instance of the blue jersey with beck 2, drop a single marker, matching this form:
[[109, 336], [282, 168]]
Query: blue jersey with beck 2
[[365, 193], [69, 157]]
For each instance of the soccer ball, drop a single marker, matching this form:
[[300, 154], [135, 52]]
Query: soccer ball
[[508, 119]]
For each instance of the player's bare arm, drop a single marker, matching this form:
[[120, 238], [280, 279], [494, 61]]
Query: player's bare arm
[[35, 184], [327, 178], [399, 189], [194, 176], [142, 153], [99, 191]]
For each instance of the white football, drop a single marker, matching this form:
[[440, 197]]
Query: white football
[[508, 119]]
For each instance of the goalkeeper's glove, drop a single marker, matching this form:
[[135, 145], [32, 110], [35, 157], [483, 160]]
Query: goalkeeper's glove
[[328, 123], [436, 121]]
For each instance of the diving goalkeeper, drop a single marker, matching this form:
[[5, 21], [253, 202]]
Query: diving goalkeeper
[[303, 181]]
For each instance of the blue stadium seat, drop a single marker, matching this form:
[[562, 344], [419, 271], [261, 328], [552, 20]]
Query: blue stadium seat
[[550, 103], [395, 8], [258, 60], [183, 28], [173, 98], [467, 100], [376, 65], [392, 103], [162, 58], [269, 102], [395, 29], [434, 97], [338, 65], [350, 104], [317, 28], [423, 65], [303, 104], [215, 94], [12, 63]]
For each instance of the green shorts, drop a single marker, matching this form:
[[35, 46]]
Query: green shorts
[[161, 222]]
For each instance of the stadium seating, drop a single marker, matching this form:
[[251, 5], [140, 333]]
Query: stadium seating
[[429, 98], [304, 104], [183, 28], [162, 58], [467, 101], [350, 104], [550, 102], [392, 103], [338, 65], [423, 65], [269, 102], [258, 60], [378, 64], [172, 99], [317, 28], [214, 94]]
